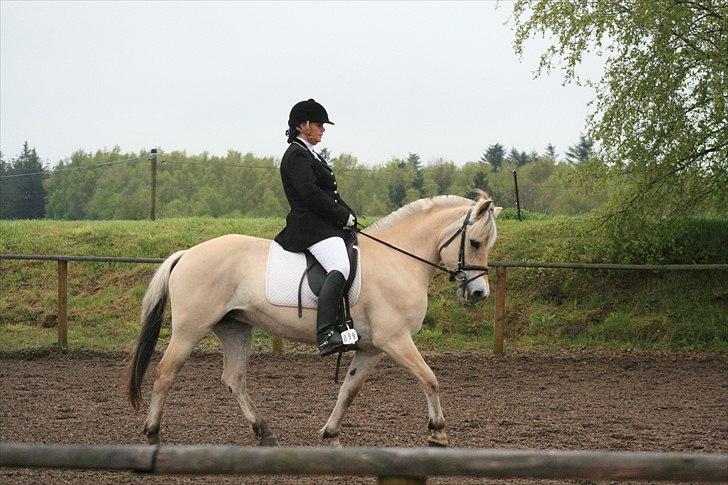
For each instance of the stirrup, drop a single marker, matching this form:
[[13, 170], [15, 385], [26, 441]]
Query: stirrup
[[330, 346]]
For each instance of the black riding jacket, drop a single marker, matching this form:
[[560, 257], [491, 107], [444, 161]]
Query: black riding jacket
[[317, 210]]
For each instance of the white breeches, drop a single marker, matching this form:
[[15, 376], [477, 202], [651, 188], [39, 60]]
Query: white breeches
[[331, 253]]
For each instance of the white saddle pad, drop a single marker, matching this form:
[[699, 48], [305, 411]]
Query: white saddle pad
[[284, 274]]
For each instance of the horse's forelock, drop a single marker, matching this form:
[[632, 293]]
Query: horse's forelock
[[484, 228]]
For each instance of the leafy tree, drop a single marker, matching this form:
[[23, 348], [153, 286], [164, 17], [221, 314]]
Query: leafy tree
[[660, 108], [398, 184], [494, 155], [443, 174], [581, 152]]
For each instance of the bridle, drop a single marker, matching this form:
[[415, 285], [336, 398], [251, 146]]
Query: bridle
[[461, 269]]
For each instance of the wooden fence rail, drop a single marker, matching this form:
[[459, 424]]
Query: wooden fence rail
[[277, 342], [412, 465]]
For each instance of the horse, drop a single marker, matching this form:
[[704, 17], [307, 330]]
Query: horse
[[219, 286]]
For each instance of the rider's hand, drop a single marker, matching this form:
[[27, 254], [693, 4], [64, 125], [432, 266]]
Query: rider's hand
[[352, 221]]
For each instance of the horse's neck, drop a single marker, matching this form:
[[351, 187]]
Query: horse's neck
[[420, 233]]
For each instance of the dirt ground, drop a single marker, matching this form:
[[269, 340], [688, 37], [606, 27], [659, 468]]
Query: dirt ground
[[623, 401]]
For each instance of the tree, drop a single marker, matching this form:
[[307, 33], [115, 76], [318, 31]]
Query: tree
[[443, 173], [494, 155], [418, 179], [23, 195], [397, 186], [325, 153], [550, 152], [581, 152], [4, 189], [659, 113], [518, 158]]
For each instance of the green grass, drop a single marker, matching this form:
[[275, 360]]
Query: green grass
[[546, 309]]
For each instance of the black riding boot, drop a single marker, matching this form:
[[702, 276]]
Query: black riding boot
[[330, 297]]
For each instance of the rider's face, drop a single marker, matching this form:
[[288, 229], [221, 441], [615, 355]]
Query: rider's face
[[312, 131]]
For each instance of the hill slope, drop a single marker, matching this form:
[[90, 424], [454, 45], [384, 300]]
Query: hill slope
[[545, 308]]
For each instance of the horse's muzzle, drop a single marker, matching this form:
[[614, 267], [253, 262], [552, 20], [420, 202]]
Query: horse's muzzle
[[470, 296]]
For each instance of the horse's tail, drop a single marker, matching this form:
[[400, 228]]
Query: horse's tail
[[151, 323]]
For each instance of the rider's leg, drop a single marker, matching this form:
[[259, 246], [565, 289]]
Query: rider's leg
[[331, 253]]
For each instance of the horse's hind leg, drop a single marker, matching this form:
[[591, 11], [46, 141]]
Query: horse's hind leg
[[181, 344], [404, 351], [236, 339], [361, 365]]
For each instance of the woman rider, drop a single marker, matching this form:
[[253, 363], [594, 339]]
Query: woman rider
[[318, 215]]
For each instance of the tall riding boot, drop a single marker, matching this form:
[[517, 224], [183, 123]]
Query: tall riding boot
[[330, 297]]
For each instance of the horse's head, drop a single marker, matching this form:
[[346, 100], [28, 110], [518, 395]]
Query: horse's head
[[465, 245]]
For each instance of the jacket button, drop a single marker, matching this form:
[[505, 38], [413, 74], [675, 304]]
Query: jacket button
[[335, 192]]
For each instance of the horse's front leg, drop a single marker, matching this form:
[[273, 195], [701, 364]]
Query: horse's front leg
[[403, 350], [361, 365]]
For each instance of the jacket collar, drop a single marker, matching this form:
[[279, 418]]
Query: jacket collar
[[309, 147]]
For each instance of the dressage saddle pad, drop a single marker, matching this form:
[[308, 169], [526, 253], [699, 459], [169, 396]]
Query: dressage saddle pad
[[283, 276]]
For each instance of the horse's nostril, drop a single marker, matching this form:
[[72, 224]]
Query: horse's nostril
[[478, 294]]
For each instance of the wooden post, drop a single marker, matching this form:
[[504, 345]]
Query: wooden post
[[62, 303], [153, 205], [518, 199], [402, 481], [500, 309], [277, 344]]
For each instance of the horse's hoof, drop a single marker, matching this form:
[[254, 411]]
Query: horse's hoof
[[433, 442], [152, 435], [332, 442], [268, 441]]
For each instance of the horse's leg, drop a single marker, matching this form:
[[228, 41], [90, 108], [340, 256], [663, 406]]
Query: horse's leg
[[361, 365], [235, 338], [181, 344], [404, 352]]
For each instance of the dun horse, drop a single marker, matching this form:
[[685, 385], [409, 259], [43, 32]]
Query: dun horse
[[219, 286]]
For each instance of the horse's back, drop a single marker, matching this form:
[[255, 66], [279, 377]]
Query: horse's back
[[224, 259]]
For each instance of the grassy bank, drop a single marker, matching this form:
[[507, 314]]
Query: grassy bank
[[546, 309]]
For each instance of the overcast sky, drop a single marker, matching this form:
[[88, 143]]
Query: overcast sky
[[437, 78]]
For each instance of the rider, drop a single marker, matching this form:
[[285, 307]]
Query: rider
[[318, 215]]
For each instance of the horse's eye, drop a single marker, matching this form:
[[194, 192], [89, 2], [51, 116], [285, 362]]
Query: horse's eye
[[474, 243]]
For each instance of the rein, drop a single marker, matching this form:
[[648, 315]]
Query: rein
[[462, 267]]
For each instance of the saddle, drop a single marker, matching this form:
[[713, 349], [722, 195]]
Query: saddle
[[317, 274]]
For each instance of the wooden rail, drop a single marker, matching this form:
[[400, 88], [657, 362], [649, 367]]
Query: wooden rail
[[277, 342], [411, 464]]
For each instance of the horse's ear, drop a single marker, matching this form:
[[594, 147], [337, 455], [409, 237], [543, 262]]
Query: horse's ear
[[496, 211], [482, 208]]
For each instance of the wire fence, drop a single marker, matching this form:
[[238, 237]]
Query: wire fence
[[178, 185]]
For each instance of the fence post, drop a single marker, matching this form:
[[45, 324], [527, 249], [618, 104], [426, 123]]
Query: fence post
[[153, 206], [62, 325], [402, 481], [500, 309], [518, 199], [277, 344]]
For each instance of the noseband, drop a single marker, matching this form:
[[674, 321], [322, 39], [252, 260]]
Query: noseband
[[462, 267]]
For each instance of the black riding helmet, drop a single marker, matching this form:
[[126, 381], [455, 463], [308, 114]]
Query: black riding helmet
[[308, 110]]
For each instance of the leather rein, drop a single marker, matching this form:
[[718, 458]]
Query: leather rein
[[462, 267]]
